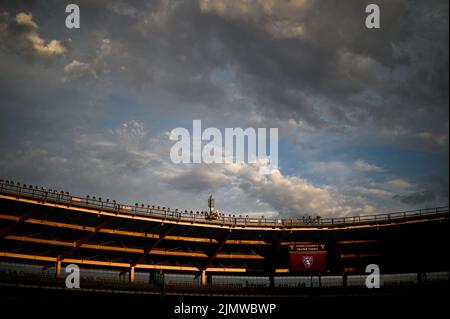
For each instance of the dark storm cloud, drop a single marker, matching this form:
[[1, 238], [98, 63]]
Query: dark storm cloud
[[334, 74], [338, 59], [417, 198]]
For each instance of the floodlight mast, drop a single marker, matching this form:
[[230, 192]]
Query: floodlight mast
[[213, 213], [211, 203]]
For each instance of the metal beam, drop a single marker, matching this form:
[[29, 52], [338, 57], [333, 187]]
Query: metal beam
[[118, 264], [355, 256], [282, 270], [362, 241], [239, 256], [82, 240], [9, 217], [18, 221], [133, 234], [216, 252], [163, 252], [27, 256], [153, 246]]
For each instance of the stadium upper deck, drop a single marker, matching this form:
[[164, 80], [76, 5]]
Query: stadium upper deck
[[54, 228]]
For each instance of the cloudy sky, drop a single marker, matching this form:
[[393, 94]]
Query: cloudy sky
[[363, 115]]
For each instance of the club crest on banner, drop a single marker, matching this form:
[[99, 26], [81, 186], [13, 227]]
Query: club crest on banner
[[308, 261]]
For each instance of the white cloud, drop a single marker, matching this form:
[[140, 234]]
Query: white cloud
[[380, 193], [132, 151], [342, 169], [398, 186], [128, 163], [292, 195], [96, 66], [286, 195], [438, 139], [333, 167], [363, 166], [77, 68]]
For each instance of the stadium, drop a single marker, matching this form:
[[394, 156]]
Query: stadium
[[143, 251]]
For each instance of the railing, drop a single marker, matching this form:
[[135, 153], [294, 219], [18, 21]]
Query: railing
[[60, 197]]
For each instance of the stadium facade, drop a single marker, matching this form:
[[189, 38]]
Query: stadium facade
[[158, 250]]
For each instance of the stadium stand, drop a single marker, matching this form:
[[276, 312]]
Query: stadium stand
[[153, 250]]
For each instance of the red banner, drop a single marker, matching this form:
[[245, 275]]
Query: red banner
[[308, 257]]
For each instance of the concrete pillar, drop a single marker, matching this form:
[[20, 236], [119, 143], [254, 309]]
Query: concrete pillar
[[203, 279], [58, 269], [131, 274]]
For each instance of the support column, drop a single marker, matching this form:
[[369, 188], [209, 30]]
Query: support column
[[152, 276], [209, 280], [131, 274], [58, 269], [162, 278], [163, 282], [271, 281], [419, 278], [203, 279]]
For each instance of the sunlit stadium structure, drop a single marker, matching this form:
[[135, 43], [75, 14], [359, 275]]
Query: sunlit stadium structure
[[160, 250]]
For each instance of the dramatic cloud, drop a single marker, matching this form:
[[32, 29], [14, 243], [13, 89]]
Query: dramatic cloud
[[127, 152], [20, 35], [362, 114], [342, 75], [137, 164], [294, 196]]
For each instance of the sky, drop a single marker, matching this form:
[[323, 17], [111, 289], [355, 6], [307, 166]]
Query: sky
[[363, 114]]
